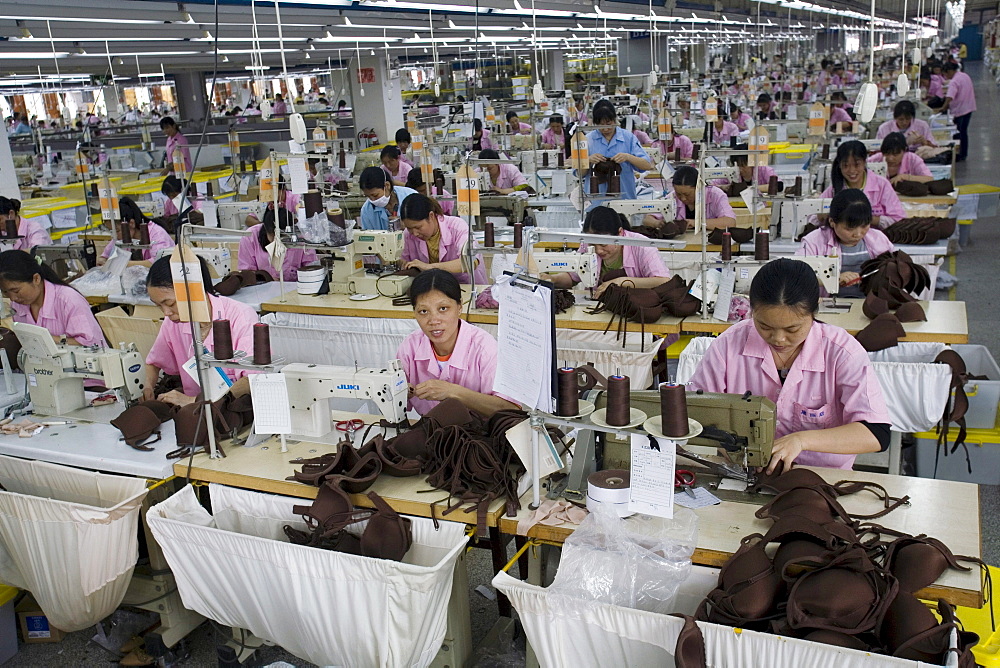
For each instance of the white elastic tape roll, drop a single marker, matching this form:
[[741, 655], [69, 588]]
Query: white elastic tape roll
[[610, 488], [310, 281]]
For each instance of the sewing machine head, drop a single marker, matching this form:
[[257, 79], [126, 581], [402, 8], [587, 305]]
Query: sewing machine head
[[511, 206], [218, 258], [386, 244], [311, 386], [233, 215], [366, 159], [667, 207], [827, 272], [67, 260], [585, 265], [56, 372], [349, 276], [728, 172]]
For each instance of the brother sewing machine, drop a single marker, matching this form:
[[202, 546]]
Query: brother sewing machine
[[56, 372], [311, 386], [827, 272], [349, 276]]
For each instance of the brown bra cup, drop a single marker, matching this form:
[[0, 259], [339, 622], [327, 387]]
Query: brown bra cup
[[562, 300], [811, 503], [164, 411], [690, 649], [837, 639], [189, 423], [918, 561], [800, 537], [360, 476], [137, 424], [911, 312], [874, 306], [897, 274], [412, 444], [956, 407], [394, 463], [883, 332], [748, 588], [739, 235], [940, 187], [906, 626], [387, 535], [911, 189]]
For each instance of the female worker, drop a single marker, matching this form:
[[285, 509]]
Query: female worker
[[133, 217], [610, 143], [480, 138], [840, 120], [678, 143], [403, 141], [829, 406], [763, 173], [505, 178], [174, 345], [850, 170], [848, 233], [916, 131], [723, 131], [384, 199], [39, 297], [766, 108], [32, 234], [578, 114], [901, 164], [448, 358], [171, 189], [393, 166], [741, 119], [553, 136], [515, 126], [415, 181], [253, 248], [433, 240], [175, 140], [718, 212], [643, 267]]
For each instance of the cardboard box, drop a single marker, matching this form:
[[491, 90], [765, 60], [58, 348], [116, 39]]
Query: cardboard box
[[140, 328], [34, 624]]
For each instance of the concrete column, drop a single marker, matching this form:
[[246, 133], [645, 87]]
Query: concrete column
[[8, 177], [192, 102], [381, 106], [553, 79]]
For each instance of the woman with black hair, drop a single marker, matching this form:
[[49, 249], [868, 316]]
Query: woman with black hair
[[611, 143], [515, 126], [504, 177], [828, 403], [403, 141], [39, 297], [171, 189], [384, 198], [132, 216], [850, 170], [448, 358], [415, 181], [480, 137], [173, 348], [253, 254], [433, 240], [904, 119], [900, 163], [32, 234], [718, 211], [175, 141], [393, 165]]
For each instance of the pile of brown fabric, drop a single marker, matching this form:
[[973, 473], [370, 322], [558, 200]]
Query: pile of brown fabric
[[668, 230], [889, 281], [938, 188], [739, 235], [836, 579], [920, 231], [645, 305], [245, 278]]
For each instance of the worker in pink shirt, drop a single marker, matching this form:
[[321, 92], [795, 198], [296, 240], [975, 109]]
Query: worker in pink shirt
[[960, 101], [415, 181], [403, 142], [916, 131], [829, 405], [31, 232], [132, 216], [448, 358], [171, 189], [286, 200], [741, 119], [850, 170], [253, 254], [763, 173], [39, 297], [677, 141], [505, 178], [174, 345], [553, 136], [718, 211], [393, 166], [175, 140], [578, 114], [901, 165], [433, 240], [515, 126], [279, 107], [723, 131], [480, 137], [840, 120]]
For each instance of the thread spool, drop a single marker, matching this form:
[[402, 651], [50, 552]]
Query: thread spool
[[336, 216], [784, 115], [826, 152], [144, 233], [489, 239], [696, 152], [518, 235], [618, 401], [798, 186], [595, 187], [342, 158], [126, 229], [261, 343], [569, 393], [677, 155], [545, 158], [732, 142], [313, 201], [762, 245], [727, 246], [11, 226], [772, 186], [560, 159], [94, 192], [243, 164], [673, 410], [222, 337], [611, 489], [209, 189]]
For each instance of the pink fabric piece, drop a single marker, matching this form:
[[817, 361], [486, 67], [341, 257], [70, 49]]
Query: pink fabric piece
[[552, 513], [174, 346], [473, 362], [252, 255], [917, 126], [509, 177], [64, 312], [963, 97], [830, 384], [885, 202], [716, 205], [34, 234], [159, 239], [181, 142], [912, 164], [454, 237]]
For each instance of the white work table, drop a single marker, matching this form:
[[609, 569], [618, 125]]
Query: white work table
[[253, 296], [789, 247]]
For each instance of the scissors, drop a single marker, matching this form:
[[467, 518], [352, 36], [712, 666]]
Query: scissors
[[685, 480], [349, 426]]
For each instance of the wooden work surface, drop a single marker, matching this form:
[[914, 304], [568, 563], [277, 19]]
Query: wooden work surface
[[946, 322], [946, 510], [264, 467], [692, 242], [930, 199], [381, 307]]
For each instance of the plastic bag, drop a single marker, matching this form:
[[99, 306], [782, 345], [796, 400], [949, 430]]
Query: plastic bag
[[318, 229], [134, 281], [98, 283], [637, 562]]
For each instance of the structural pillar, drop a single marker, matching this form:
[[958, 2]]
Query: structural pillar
[[192, 101], [554, 78], [380, 106]]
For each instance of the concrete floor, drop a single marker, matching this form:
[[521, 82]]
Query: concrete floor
[[977, 268]]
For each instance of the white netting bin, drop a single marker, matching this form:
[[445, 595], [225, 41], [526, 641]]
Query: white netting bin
[[68, 536], [336, 340], [237, 567]]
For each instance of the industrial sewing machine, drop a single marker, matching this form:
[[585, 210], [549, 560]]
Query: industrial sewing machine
[[68, 260], [349, 275], [56, 372], [791, 215], [729, 172], [827, 272], [629, 207], [233, 215], [510, 206], [311, 386], [218, 258], [585, 265]]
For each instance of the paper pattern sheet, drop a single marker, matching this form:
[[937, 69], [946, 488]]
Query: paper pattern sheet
[[271, 413], [524, 344], [652, 477]]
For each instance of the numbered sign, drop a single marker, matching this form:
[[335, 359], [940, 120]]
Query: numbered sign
[[758, 141], [319, 139], [818, 116], [417, 144], [82, 164], [467, 181], [189, 289], [266, 180], [665, 127], [711, 110], [178, 159], [491, 116], [579, 149], [109, 200], [694, 93], [411, 122], [234, 146]]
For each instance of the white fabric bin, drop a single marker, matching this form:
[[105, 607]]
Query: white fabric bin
[[598, 634], [984, 395], [238, 568], [68, 536], [337, 340]]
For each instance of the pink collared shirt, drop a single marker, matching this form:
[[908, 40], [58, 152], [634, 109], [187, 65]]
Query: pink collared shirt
[[174, 346], [839, 115], [523, 128], [484, 142], [963, 97], [33, 234], [401, 172], [911, 164], [679, 142], [291, 204], [885, 202], [830, 384], [64, 312], [824, 242], [742, 120], [936, 86], [473, 362], [454, 238], [279, 108], [158, 239], [716, 205], [550, 137], [637, 261], [643, 138], [509, 177], [170, 209], [448, 206], [917, 126], [763, 174], [728, 130], [405, 159], [181, 142], [252, 255]]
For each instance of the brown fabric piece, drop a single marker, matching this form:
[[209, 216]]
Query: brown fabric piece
[[920, 230], [837, 639], [748, 589], [911, 189], [893, 276], [918, 561], [164, 411], [387, 535], [874, 306], [883, 332], [10, 343], [740, 235], [189, 424], [690, 649], [806, 229], [940, 187], [562, 300], [137, 424], [911, 312], [956, 407]]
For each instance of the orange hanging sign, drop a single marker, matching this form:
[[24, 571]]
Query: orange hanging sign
[[467, 182], [818, 116], [109, 200], [189, 289], [579, 149], [711, 110], [266, 180], [758, 141]]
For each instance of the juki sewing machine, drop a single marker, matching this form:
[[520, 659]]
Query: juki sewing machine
[[792, 215], [510, 206], [233, 215], [349, 275], [311, 386], [667, 207], [827, 271], [585, 265], [730, 173], [56, 372]]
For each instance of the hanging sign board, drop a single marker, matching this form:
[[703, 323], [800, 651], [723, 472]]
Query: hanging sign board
[[467, 182], [818, 116]]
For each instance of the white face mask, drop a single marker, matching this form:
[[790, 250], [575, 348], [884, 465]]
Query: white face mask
[[381, 202]]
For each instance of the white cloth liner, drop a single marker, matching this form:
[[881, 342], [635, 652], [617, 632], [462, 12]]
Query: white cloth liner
[[605, 635], [915, 389], [238, 568], [69, 537]]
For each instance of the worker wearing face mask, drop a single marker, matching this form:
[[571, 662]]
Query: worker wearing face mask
[[384, 199]]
